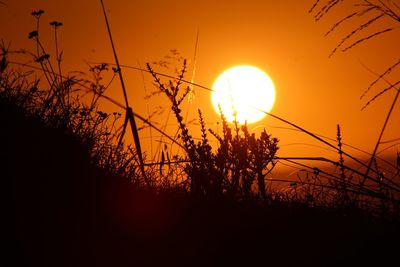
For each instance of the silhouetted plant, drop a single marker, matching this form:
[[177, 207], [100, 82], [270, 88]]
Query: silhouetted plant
[[367, 14], [61, 104], [343, 183], [241, 160]]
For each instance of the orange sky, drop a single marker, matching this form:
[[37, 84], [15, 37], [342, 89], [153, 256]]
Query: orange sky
[[280, 37]]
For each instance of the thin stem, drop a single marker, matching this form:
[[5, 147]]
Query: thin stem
[[379, 139], [129, 110]]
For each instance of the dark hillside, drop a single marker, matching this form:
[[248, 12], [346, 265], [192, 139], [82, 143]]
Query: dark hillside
[[60, 210]]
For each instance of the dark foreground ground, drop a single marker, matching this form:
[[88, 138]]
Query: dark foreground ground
[[57, 210]]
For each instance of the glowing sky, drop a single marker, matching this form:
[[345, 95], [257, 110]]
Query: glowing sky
[[280, 37]]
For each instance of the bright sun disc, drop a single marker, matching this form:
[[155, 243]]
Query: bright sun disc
[[241, 92]]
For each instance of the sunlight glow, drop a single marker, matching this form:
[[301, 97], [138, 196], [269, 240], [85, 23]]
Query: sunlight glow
[[241, 92]]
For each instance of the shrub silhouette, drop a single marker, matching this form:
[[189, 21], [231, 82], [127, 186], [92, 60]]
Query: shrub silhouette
[[241, 158]]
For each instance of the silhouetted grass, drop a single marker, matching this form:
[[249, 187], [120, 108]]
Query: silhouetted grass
[[370, 12], [236, 168], [77, 195]]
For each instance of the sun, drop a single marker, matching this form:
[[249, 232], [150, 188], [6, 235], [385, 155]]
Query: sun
[[243, 92]]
